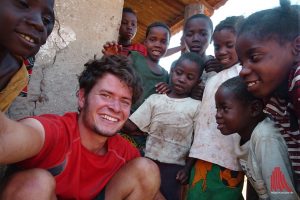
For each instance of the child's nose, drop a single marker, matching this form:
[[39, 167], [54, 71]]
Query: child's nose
[[37, 22]]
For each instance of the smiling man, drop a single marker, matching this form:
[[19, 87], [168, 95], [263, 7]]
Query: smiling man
[[80, 155]]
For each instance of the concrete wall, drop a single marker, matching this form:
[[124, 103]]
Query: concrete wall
[[84, 26]]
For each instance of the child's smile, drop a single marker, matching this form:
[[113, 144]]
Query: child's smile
[[265, 63]]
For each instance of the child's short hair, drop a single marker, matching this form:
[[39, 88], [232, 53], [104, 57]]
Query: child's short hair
[[280, 22], [158, 24], [194, 57], [128, 10], [238, 86], [116, 65], [232, 23], [201, 16]]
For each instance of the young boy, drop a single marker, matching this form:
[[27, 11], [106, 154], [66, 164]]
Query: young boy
[[32, 22], [263, 153], [127, 31], [168, 119]]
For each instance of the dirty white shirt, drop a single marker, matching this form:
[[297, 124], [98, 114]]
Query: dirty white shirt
[[264, 159], [209, 143], [169, 123]]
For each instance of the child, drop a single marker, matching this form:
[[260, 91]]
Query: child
[[151, 73], [168, 119], [212, 150], [127, 31], [32, 22], [268, 46], [197, 33], [263, 150]]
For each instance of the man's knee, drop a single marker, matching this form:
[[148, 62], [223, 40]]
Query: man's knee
[[146, 170], [27, 183], [145, 166]]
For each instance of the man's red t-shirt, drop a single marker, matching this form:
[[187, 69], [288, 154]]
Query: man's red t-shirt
[[84, 173]]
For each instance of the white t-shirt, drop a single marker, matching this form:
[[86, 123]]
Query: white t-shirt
[[209, 143], [169, 122], [264, 159]]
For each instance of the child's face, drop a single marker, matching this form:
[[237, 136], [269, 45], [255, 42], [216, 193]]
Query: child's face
[[197, 35], [266, 64], [184, 76], [233, 116], [157, 42], [25, 25], [224, 44], [128, 26]]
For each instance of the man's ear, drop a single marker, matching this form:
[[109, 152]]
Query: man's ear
[[257, 107], [81, 98], [296, 48]]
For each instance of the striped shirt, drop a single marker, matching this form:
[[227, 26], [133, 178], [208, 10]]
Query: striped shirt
[[285, 113]]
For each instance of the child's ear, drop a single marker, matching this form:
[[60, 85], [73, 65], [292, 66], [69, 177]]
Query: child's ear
[[296, 48], [257, 107]]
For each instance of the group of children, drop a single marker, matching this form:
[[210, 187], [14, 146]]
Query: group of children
[[210, 138]]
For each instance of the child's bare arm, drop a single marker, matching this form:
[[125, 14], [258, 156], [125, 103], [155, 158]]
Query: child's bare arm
[[184, 174], [162, 88], [213, 65], [111, 48], [130, 128], [197, 91]]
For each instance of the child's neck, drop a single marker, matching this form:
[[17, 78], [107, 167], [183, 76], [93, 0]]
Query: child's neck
[[246, 134], [124, 43], [9, 65], [172, 94], [153, 66]]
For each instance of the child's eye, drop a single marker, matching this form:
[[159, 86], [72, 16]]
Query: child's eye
[[47, 20], [22, 3], [230, 45], [255, 57]]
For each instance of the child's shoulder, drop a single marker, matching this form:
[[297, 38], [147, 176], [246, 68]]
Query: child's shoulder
[[266, 129]]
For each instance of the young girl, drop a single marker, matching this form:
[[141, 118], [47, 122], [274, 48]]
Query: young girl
[[25, 26], [268, 45], [212, 150], [168, 119], [263, 152]]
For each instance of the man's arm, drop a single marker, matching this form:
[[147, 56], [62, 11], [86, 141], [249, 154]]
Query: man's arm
[[19, 140]]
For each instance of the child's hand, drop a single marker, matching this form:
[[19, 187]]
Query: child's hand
[[162, 88], [111, 48], [197, 91], [213, 65], [183, 176]]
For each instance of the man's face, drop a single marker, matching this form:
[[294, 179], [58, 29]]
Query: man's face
[[106, 108]]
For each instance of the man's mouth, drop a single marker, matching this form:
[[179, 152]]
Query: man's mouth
[[109, 118]]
